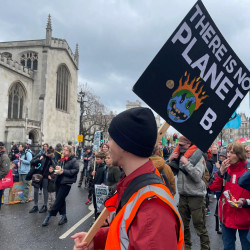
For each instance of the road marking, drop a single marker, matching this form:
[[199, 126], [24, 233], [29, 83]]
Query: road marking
[[66, 234]]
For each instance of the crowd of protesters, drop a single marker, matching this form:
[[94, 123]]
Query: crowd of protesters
[[222, 172], [51, 170]]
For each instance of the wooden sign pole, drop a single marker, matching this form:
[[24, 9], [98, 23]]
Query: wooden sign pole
[[162, 130], [105, 213], [94, 167], [96, 226]]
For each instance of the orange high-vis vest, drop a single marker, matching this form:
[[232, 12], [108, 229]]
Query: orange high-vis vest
[[120, 223]]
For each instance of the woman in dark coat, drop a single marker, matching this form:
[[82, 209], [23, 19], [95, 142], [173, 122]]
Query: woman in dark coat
[[40, 165], [66, 176]]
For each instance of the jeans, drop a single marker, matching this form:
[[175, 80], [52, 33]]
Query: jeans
[[26, 186], [45, 193], [229, 238]]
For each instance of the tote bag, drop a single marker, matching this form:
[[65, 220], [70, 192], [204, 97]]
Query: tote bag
[[7, 181]]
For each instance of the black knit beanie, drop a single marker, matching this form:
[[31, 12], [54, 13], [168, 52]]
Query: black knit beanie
[[135, 131]]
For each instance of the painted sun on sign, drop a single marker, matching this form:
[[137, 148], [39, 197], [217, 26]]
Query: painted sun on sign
[[185, 99]]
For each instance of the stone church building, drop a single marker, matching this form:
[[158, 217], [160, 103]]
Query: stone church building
[[38, 96]]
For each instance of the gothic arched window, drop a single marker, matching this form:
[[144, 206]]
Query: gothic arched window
[[62, 87], [16, 101], [29, 60]]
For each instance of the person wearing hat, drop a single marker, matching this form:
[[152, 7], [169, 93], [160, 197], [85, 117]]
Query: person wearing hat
[[4, 166], [142, 214], [233, 212], [192, 190]]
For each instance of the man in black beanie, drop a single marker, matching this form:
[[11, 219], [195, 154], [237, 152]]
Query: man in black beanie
[[142, 212]]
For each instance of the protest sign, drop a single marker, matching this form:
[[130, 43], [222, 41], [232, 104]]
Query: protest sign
[[97, 140], [196, 81], [16, 193], [101, 192]]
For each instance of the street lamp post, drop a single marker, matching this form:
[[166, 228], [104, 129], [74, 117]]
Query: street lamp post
[[82, 95]]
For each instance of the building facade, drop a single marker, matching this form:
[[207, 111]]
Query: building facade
[[38, 95], [231, 134]]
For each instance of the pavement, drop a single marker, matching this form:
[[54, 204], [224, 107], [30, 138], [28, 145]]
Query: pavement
[[24, 231]]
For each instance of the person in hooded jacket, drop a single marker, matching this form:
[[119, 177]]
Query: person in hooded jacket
[[24, 168], [40, 165], [66, 176], [192, 190], [233, 217]]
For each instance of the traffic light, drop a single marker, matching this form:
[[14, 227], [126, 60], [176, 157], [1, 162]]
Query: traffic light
[[101, 139], [168, 141], [175, 137]]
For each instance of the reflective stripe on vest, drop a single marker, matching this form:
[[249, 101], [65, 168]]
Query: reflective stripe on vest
[[118, 239]]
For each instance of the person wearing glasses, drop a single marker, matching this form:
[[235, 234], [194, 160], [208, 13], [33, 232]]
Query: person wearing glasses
[[233, 213]]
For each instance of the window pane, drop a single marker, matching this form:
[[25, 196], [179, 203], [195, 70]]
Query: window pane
[[62, 88], [21, 109], [15, 107], [29, 63], [35, 64], [10, 106]]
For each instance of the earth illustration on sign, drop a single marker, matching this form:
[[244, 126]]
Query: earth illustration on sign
[[185, 100]]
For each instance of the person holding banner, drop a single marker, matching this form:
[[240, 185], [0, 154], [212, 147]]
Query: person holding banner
[[98, 178], [143, 213], [4, 166], [192, 190], [233, 214]]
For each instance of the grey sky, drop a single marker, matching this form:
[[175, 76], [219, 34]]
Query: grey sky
[[119, 38]]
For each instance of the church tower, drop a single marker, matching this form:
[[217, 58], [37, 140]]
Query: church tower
[[39, 81]]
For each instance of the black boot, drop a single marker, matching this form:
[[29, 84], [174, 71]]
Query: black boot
[[63, 220], [43, 209], [46, 221], [33, 210]]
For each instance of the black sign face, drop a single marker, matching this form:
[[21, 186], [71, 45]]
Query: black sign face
[[196, 81]]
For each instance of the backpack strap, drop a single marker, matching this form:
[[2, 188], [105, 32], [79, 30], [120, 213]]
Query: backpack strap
[[136, 184]]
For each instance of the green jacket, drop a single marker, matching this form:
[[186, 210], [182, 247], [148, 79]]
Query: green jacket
[[4, 164]]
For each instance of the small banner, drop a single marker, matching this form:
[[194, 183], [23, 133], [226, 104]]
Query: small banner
[[196, 81], [101, 193]]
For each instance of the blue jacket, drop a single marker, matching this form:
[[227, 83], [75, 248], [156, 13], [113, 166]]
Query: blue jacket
[[25, 163], [244, 180]]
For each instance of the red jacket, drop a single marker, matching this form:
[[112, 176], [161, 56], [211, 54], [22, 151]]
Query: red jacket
[[237, 218], [154, 222]]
